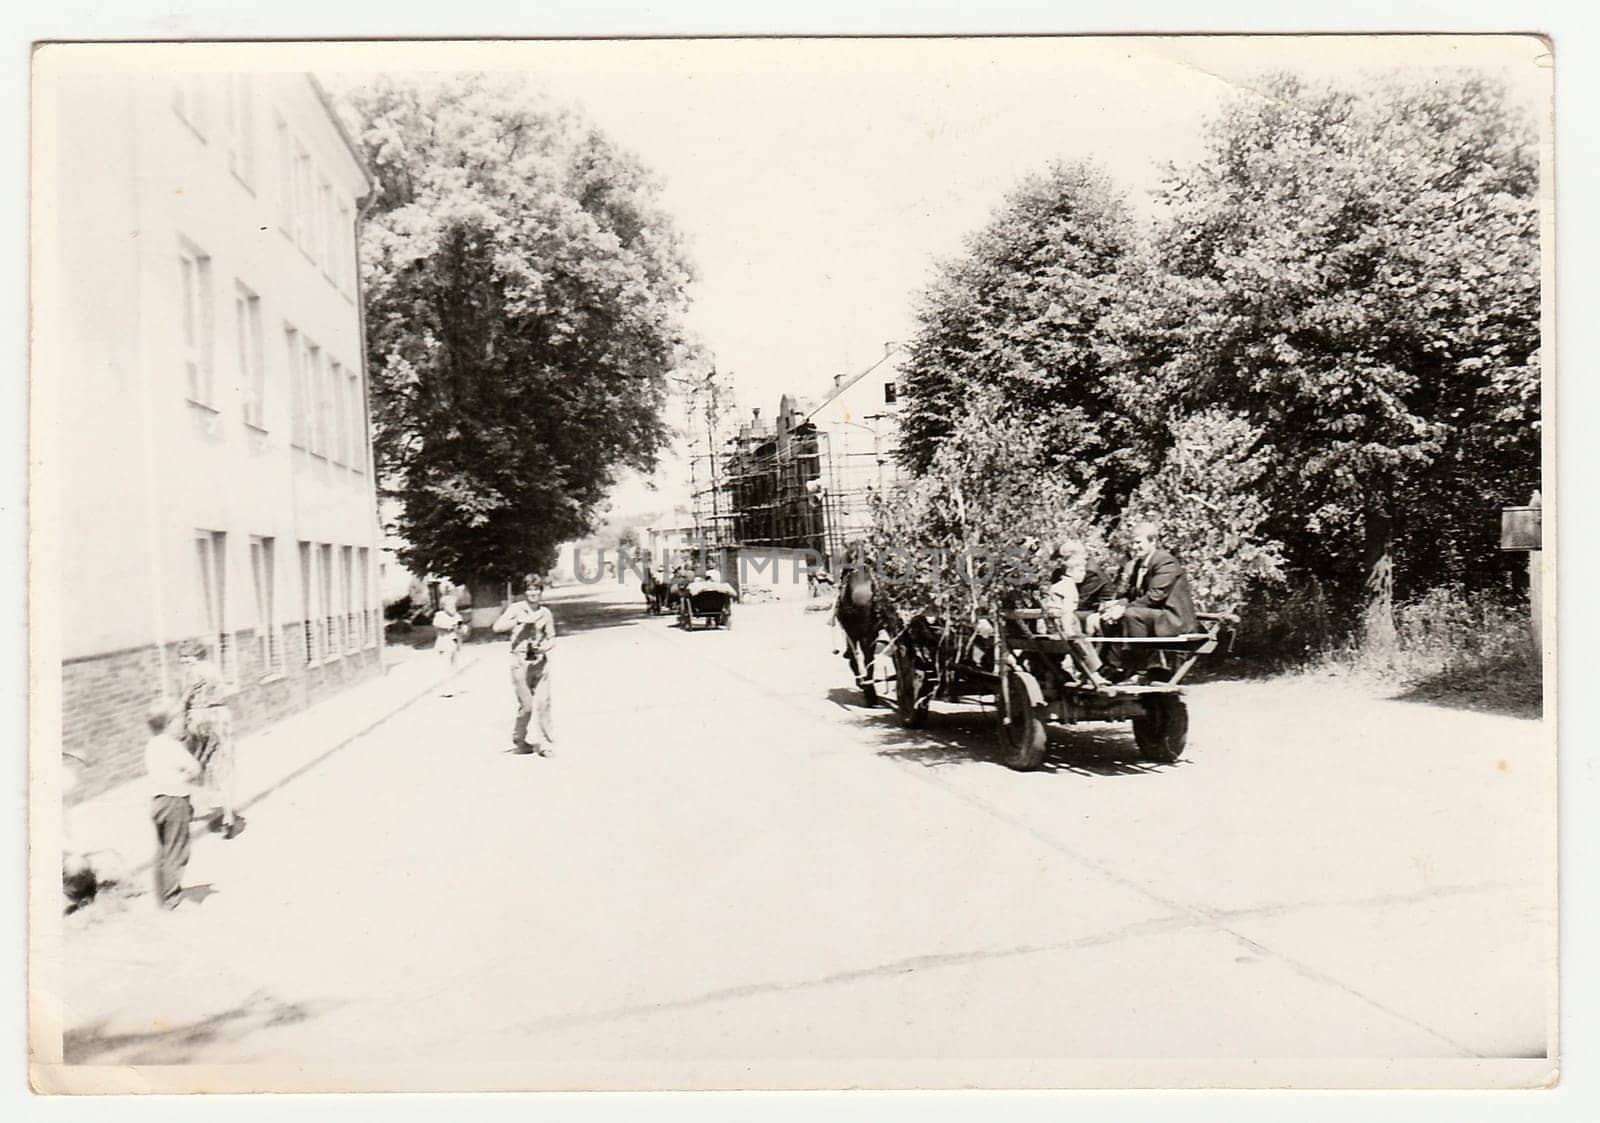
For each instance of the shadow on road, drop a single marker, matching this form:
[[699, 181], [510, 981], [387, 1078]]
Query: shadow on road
[[176, 1044], [967, 736], [1513, 687], [576, 616]]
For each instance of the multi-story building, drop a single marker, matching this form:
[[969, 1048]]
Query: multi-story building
[[199, 351], [857, 423], [805, 479]]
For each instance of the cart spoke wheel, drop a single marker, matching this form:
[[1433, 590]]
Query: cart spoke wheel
[[1022, 732], [1163, 730]]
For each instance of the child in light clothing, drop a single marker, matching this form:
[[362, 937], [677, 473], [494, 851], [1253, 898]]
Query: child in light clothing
[[1061, 605], [447, 631], [171, 773]]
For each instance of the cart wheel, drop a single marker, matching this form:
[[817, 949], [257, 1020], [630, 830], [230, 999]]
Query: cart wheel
[[1022, 738], [726, 620], [1163, 731], [907, 685]]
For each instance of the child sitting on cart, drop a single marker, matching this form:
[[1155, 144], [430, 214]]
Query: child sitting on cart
[[1061, 607]]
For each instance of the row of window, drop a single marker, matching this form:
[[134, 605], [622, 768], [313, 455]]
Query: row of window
[[327, 405], [312, 214], [336, 612]]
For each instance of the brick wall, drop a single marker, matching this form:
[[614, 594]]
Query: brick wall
[[104, 698]]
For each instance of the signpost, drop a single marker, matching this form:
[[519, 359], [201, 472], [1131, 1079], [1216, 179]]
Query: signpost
[[1522, 529]]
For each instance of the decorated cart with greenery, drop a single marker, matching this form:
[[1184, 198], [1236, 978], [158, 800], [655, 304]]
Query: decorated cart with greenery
[[1034, 677]]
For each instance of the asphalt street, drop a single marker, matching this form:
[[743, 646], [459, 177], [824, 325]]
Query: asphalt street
[[729, 859]]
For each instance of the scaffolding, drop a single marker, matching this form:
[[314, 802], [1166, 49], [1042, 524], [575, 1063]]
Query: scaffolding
[[793, 485], [799, 481]]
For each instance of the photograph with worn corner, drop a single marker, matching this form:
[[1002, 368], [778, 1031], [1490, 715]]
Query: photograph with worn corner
[[1019, 562]]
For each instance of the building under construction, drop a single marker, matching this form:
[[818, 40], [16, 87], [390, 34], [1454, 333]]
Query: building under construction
[[803, 479]]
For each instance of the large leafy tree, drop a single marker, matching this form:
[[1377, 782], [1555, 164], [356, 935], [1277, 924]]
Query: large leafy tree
[[524, 291], [977, 526], [1021, 312], [1356, 274]]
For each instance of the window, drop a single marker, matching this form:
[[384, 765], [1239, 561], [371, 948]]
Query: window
[[241, 129], [358, 422], [301, 211], [252, 375], [369, 631], [345, 243], [326, 245], [340, 452], [316, 392], [347, 560], [297, 388], [189, 101], [311, 632], [324, 421], [285, 146], [330, 619], [264, 572], [194, 279], [211, 554], [888, 393]]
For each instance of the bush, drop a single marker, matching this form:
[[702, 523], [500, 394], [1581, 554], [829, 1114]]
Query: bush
[[1447, 633], [1279, 630]]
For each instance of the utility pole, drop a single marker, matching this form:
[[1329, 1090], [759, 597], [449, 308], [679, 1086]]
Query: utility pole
[[688, 431], [711, 443]]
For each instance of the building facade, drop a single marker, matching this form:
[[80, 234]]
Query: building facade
[[200, 326], [858, 424], [804, 480]]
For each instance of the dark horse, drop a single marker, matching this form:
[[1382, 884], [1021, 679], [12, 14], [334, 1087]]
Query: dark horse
[[653, 591], [856, 612]]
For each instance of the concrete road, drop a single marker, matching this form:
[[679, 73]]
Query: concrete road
[[731, 867]]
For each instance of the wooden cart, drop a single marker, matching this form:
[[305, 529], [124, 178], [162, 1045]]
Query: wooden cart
[[1034, 678], [713, 606]]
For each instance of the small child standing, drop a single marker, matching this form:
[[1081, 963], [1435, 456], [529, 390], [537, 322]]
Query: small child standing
[[447, 632], [171, 772]]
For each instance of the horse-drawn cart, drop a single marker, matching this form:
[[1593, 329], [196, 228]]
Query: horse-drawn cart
[[1033, 678], [712, 604]]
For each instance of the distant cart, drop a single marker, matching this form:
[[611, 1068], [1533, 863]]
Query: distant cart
[[713, 606], [1033, 678]]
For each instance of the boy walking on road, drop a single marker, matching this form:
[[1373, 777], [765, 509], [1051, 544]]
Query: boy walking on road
[[172, 773], [533, 634]]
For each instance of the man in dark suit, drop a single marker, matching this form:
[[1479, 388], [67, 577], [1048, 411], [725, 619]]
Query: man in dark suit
[[1157, 598], [1097, 588]]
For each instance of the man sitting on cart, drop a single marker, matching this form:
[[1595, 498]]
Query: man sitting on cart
[[1156, 601]]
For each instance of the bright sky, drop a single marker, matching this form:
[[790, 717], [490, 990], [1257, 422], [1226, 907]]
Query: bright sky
[[818, 181]]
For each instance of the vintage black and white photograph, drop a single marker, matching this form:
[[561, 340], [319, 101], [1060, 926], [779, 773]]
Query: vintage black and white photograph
[[792, 563]]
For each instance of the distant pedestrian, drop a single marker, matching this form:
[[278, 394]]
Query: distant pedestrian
[[447, 631], [533, 634], [171, 773], [208, 731]]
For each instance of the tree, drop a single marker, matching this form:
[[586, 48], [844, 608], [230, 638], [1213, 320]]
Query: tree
[[969, 531], [1207, 498], [1021, 312], [523, 298], [1357, 275]]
